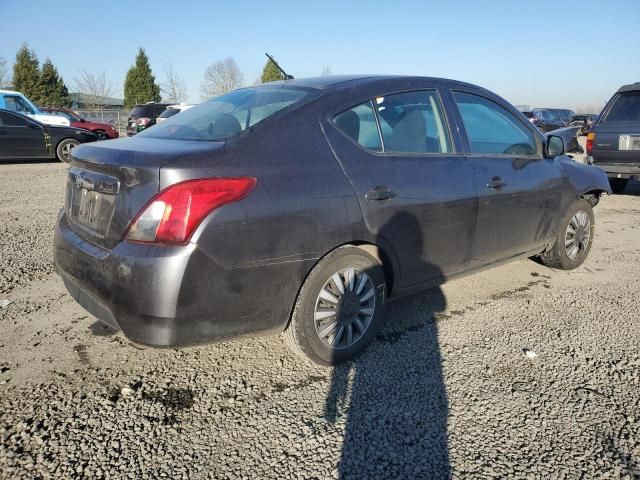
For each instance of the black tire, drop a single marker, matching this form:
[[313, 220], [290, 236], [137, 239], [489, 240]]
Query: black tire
[[102, 135], [618, 184], [63, 150], [559, 254], [303, 333]]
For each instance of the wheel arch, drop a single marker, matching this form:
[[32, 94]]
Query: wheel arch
[[384, 255]]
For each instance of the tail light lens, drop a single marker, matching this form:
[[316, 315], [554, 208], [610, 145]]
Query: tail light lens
[[143, 122], [171, 217], [591, 137]]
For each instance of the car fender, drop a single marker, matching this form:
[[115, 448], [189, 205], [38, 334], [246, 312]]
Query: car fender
[[584, 178]]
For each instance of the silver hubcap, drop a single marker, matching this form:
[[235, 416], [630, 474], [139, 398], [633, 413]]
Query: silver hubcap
[[344, 308], [66, 150], [578, 235]]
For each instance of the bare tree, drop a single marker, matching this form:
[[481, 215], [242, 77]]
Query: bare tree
[[4, 73], [326, 71], [221, 77], [95, 87], [173, 90]]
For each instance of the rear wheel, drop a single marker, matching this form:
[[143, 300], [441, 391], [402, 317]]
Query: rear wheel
[[574, 238], [618, 184], [63, 150], [339, 307]]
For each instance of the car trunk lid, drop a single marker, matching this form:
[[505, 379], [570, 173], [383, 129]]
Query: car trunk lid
[[110, 182], [617, 142]]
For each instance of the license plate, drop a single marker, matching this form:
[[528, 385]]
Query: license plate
[[88, 212], [629, 142]]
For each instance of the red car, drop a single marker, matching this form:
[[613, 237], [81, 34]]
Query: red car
[[103, 130]]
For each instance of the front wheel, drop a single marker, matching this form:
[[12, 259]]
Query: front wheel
[[339, 307], [574, 238], [618, 184], [63, 151]]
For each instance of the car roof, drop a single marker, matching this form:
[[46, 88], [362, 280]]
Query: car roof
[[335, 82], [632, 87]]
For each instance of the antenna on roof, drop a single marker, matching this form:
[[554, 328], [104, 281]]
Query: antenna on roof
[[284, 74]]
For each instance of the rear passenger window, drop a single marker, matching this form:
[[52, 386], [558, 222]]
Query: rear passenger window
[[9, 120], [359, 124], [412, 122], [491, 128]]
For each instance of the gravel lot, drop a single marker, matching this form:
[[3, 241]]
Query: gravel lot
[[446, 391]]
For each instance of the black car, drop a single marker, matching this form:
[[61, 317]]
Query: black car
[[22, 137], [549, 119], [614, 140], [302, 206], [144, 116]]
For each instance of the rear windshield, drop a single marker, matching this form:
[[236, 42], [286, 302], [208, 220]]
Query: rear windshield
[[142, 111], [169, 112], [228, 115], [625, 108]]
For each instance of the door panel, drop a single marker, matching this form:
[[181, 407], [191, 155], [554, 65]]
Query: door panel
[[18, 140], [516, 217], [424, 204], [519, 190]]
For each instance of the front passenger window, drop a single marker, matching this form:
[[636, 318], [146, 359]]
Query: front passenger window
[[491, 128], [359, 124]]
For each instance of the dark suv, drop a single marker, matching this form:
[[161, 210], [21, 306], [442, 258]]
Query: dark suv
[[614, 140], [144, 116]]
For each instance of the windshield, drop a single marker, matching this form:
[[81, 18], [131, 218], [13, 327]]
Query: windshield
[[228, 115], [625, 108]]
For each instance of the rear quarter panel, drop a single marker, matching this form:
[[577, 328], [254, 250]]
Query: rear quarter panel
[[265, 245]]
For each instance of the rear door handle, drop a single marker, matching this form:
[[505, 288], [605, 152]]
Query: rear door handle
[[379, 193], [496, 182]]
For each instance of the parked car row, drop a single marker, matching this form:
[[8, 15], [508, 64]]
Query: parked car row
[[104, 131], [23, 137]]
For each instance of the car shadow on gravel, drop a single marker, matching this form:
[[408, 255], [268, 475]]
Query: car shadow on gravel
[[29, 161], [392, 399], [633, 189]]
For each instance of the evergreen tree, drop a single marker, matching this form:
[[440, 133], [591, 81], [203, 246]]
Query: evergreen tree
[[54, 91], [26, 74], [140, 84], [270, 72]]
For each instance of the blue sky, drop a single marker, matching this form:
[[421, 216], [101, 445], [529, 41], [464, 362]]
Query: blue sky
[[541, 53]]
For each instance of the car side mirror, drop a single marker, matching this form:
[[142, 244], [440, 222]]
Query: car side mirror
[[554, 146]]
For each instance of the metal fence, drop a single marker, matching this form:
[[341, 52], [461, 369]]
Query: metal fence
[[117, 118]]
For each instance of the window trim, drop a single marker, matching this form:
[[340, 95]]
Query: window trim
[[463, 134], [384, 153]]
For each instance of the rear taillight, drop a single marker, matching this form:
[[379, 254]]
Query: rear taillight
[[172, 216], [143, 122], [590, 139]]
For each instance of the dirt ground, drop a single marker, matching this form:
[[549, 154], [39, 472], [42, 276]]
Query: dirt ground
[[516, 372]]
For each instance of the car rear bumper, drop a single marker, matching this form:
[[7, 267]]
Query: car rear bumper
[[619, 170], [166, 296]]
